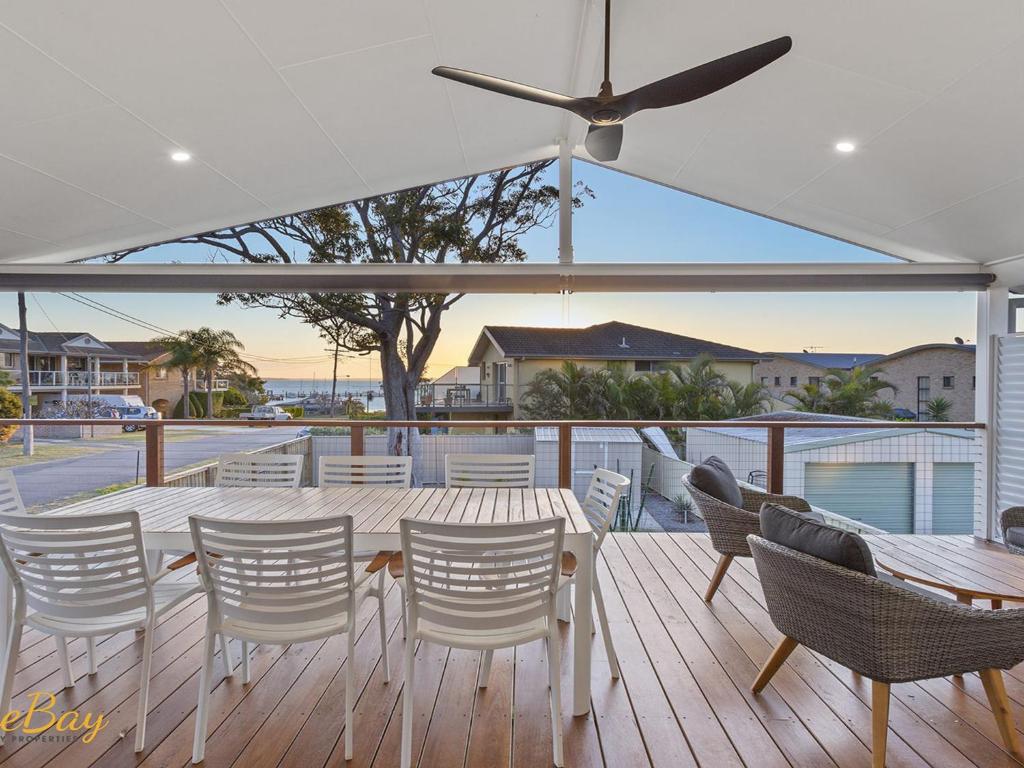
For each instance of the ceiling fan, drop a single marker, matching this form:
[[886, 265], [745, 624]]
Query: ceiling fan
[[606, 111]]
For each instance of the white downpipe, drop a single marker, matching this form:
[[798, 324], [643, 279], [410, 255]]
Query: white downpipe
[[565, 254]]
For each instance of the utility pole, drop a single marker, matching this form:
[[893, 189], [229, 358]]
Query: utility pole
[[27, 435], [334, 377]]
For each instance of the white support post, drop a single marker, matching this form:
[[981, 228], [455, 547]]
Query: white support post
[[564, 202], [993, 322]]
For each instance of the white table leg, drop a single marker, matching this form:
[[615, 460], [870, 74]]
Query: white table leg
[[582, 547]]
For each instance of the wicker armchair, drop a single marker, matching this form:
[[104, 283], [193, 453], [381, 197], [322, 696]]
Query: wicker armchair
[[887, 633], [1013, 518], [729, 526]]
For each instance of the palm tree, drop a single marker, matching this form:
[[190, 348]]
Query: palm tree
[[855, 392], [570, 392], [218, 351], [182, 350], [745, 399], [810, 398], [700, 390], [938, 408]]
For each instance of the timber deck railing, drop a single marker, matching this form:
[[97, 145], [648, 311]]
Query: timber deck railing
[[775, 430]]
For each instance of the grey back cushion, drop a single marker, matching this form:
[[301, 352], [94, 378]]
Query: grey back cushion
[[795, 530], [714, 478]]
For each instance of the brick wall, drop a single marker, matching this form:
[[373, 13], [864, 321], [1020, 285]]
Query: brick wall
[[903, 371]]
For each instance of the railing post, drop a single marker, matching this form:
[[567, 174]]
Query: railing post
[[356, 447], [154, 454], [776, 458], [565, 456]]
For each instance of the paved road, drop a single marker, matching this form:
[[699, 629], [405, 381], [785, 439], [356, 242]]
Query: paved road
[[115, 462]]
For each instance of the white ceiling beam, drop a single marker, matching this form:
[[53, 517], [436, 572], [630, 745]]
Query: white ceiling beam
[[491, 278]]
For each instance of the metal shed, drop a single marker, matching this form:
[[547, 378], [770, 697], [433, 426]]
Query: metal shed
[[619, 449]]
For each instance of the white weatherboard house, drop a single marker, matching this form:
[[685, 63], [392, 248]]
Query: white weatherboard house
[[902, 481]]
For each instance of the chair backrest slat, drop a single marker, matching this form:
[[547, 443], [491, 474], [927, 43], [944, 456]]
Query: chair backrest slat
[[10, 499], [481, 577], [279, 572], [602, 501], [259, 470], [468, 470], [76, 566], [365, 470]]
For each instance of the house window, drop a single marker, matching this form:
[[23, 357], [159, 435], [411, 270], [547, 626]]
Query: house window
[[947, 382], [792, 381], [8, 360], [160, 373], [816, 380], [764, 381], [924, 393], [778, 381], [642, 366]]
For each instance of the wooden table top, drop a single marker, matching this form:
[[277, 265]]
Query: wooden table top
[[374, 509]]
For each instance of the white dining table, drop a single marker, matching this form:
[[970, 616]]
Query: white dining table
[[164, 513]]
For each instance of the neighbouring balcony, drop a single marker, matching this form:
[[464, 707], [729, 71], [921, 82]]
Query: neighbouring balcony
[[219, 385], [465, 398], [76, 379]]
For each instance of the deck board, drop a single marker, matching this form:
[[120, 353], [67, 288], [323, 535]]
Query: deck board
[[683, 699]]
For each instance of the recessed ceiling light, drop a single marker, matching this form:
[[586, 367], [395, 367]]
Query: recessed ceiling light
[[845, 146], [180, 156]]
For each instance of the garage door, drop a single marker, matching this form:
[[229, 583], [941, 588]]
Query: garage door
[[953, 498], [881, 494]]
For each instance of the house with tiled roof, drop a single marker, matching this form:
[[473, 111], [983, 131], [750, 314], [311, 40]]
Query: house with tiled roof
[[66, 364], [510, 356], [920, 374]]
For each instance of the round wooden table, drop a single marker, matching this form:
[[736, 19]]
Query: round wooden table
[[965, 595]]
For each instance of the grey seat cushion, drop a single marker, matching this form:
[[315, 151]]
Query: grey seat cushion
[[917, 589], [801, 532], [1015, 536], [714, 478]]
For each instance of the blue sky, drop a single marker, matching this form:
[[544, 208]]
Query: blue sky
[[629, 220]]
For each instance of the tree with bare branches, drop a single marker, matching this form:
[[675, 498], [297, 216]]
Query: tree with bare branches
[[477, 219]]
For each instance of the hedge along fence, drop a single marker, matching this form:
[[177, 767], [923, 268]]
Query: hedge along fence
[[206, 475]]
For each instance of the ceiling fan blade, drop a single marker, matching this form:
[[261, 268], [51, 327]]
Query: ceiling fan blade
[[506, 87], [604, 142], [707, 78]]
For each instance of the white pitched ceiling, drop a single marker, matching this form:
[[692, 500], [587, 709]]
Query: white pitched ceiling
[[286, 106]]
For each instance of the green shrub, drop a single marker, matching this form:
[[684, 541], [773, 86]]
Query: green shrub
[[295, 410], [10, 408], [197, 406], [232, 398]]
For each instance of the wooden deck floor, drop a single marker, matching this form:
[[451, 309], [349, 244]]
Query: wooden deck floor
[[683, 699]]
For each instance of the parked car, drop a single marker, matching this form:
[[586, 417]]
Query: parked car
[[141, 413], [266, 413]]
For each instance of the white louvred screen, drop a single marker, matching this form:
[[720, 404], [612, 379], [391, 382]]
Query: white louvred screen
[[1009, 448]]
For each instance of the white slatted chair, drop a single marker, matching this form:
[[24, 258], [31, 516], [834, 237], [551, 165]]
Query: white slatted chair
[[482, 587], [84, 576], [279, 583], [10, 499], [599, 506], [468, 470], [259, 470], [337, 471], [345, 471], [11, 504]]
